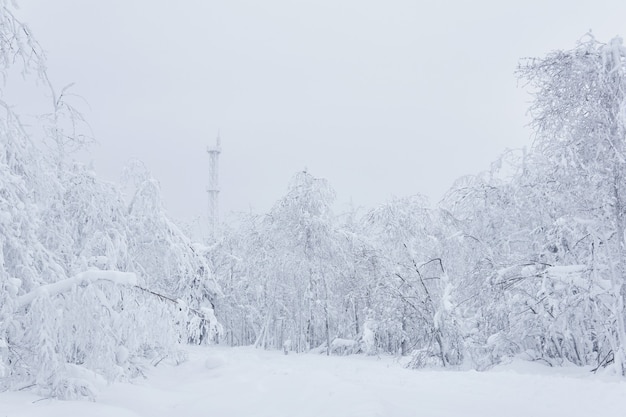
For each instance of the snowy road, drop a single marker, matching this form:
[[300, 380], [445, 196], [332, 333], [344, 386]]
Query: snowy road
[[254, 383]]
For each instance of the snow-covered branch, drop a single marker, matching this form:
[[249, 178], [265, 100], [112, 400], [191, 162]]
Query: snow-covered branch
[[83, 278]]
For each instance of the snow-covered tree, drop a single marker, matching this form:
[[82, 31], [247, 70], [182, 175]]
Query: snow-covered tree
[[90, 287], [413, 290], [579, 117], [285, 274]]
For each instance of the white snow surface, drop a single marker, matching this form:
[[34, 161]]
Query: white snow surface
[[219, 381]]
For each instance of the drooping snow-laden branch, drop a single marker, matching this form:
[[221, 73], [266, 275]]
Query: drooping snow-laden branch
[[89, 277], [86, 277]]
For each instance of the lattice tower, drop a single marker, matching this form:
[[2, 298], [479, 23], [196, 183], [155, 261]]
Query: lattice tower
[[213, 189]]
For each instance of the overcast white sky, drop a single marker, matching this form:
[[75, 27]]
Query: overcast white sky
[[382, 98]]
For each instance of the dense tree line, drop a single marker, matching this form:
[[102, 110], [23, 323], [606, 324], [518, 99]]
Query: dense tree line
[[526, 258]]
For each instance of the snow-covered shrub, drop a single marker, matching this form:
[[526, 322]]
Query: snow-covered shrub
[[368, 338], [341, 346]]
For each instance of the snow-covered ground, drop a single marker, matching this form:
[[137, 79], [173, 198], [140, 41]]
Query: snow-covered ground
[[248, 382]]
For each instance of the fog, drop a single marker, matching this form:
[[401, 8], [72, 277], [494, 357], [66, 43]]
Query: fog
[[381, 98]]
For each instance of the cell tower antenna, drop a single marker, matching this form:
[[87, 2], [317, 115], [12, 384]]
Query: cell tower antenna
[[213, 189]]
